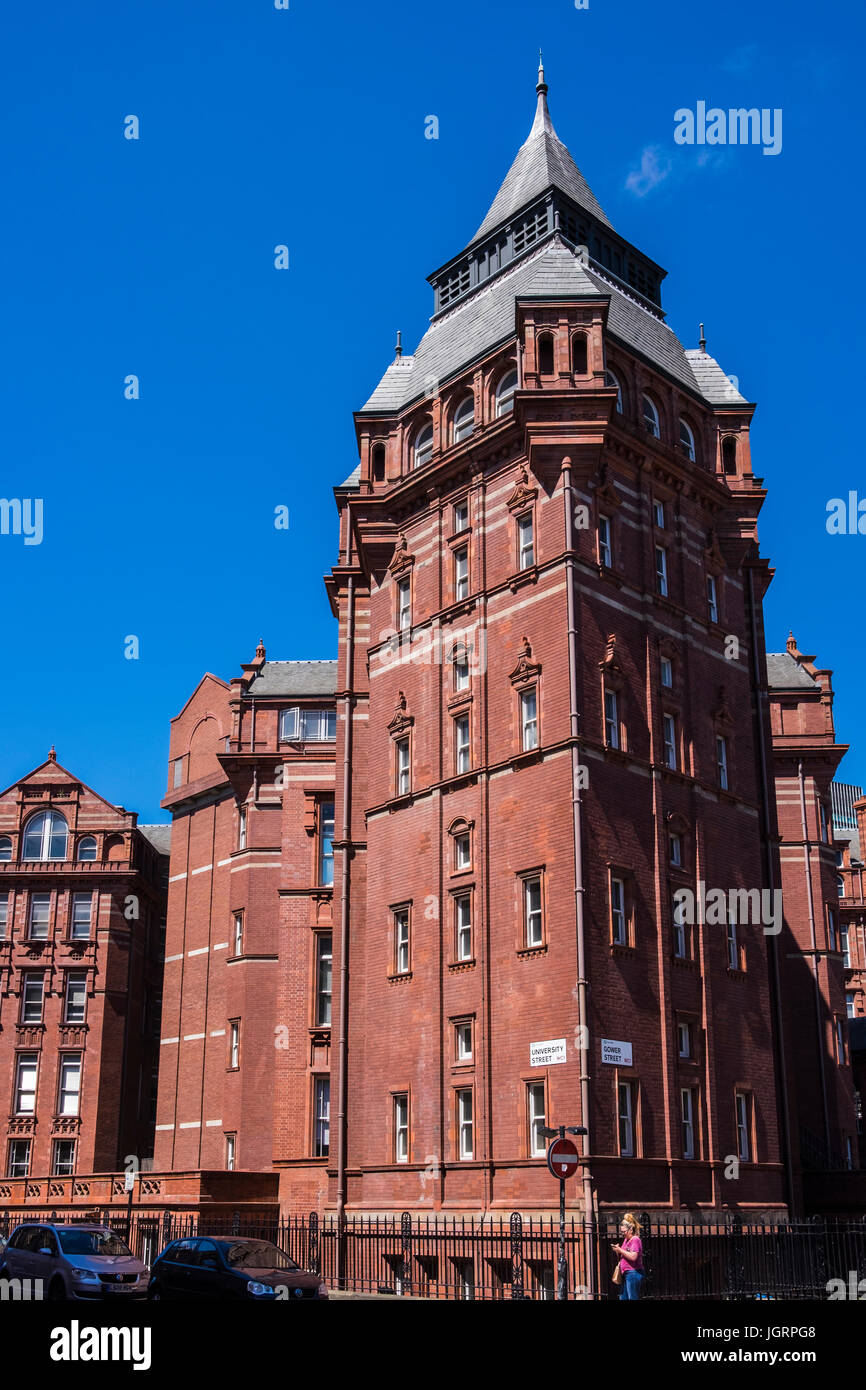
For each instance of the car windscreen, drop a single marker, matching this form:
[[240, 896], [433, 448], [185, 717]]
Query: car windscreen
[[92, 1243], [256, 1254]]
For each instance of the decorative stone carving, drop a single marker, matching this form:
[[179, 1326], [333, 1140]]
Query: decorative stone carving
[[524, 493], [526, 669], [401, 721], [403, 559]]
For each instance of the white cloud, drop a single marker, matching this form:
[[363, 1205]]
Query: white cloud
[[654, 168]]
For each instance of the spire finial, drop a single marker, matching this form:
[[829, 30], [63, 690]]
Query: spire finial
[[260, 650], [542, 85], [398, 351], [702, 343], [52, 754]]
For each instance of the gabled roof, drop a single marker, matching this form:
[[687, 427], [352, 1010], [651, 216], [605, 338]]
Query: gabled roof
[[159, 836], [53, 771], [542, 160], [785, 673], [299, 678]]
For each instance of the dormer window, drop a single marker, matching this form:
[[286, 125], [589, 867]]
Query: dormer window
[[687, 440], [544, 354], [464, 419], [308, 725], [579, 354], [611, 379], [5, 849], [423, 451], [87, 848], [45, 836], [651, 416], [505, 393], [377, 469]]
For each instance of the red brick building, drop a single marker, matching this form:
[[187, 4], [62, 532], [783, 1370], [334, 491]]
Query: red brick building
[[246, 1022], [524, 830], [555, 512], [806, 756], [82, 917], [851, 889]]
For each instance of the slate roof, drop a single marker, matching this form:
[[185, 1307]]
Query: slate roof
[[714, 385], [484, 319], [354, 478], [476, 325], [159, 836], [644, 332], [784, 673], [299, 678], [542, 160]]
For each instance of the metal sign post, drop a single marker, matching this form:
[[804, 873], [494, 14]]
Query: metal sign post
[[562, 1160], [129, 1184]]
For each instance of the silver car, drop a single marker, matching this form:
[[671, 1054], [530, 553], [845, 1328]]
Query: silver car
[[83, 1261]]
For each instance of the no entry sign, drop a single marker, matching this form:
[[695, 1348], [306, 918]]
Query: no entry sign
[[562, 1158]]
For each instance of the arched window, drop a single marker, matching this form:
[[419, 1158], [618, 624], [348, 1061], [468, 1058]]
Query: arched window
[[423, 451], [378, 468], [729, 454], [611, 379], [840, 885], [544, 354], [464, 419], [45, 836], [5, 849], [505, 393], [651, 416], [687, 440], [87, 848], [579, 354]]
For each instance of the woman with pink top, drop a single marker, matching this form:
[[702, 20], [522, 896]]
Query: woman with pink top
[[631, 1257]]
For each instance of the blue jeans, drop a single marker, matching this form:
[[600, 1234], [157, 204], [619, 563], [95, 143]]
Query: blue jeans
[[631, 1284]]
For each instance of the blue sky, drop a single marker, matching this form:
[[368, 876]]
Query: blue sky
[[305, 127]]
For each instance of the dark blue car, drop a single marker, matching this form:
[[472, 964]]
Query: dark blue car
[[231, 1267]]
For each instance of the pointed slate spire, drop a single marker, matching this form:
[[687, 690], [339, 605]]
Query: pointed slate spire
[[542, 160]]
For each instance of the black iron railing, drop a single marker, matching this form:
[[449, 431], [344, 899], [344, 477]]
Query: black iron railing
[[516, 1258]]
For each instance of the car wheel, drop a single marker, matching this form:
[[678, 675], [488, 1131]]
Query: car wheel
[[155, 1294], [56, 1291]]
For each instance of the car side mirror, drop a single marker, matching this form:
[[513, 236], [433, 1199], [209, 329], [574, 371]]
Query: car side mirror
[[44, 1250]]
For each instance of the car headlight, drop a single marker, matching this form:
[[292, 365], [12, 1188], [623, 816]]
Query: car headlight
[[259, 1290], [85, 1276]]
